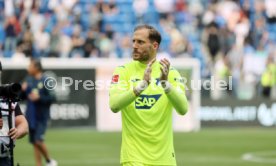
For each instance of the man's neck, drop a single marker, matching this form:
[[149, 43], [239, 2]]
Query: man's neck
[[148, 61]]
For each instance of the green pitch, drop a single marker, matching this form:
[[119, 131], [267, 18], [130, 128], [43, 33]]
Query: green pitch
[[209, 147]]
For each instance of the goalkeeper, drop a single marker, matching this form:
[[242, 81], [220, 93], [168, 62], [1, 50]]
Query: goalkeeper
[[146, 91]]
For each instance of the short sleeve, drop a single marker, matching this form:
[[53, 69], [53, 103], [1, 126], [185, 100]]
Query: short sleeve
[[17, 110]]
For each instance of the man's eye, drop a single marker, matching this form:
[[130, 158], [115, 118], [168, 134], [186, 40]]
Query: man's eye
[[138, 41]]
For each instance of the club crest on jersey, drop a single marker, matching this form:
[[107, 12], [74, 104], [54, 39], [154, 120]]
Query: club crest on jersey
[[115, 79], [146, 101]]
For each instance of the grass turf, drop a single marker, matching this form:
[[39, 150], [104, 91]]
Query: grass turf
[[209, 147]]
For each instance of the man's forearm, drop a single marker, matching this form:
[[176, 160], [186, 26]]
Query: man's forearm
[[21, 126], [119, 101], [22, 131], [178, 100]]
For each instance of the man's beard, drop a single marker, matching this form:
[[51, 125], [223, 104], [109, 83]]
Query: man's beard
[[140, 56]]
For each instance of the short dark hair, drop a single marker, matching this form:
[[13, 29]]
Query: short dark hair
[[154, 35], [37, 64]]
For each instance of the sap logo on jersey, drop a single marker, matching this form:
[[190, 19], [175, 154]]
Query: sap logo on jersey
[[146, 101]]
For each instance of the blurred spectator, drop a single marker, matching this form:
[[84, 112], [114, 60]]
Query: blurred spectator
[[208, 17], [101, 5], [54, 43], [235, 57], [68, 4], [9, 8], [221, 73], [77, 43], [27, 41], [180, 5], [212, 40], [95, 17], [229, 11], [106, 46], [252, 69], [52, 4], [19, 55], [42, 40], [270, 6], [178, 43], [109, 31], [27, 5], [36, 20], [90, 45], [109, 8], [140, 8], [227, 39], [112, 7], [164, 7], [257, 31], [66, 46], [268, 80], [12, 29], [195, 8], [241, 30]]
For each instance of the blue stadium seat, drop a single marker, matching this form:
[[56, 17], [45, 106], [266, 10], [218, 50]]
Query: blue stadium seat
[[127, 18], [110, 19], [87, 1], [125, 8], [85, 20], [151, 17], [179, 17], [124, 1]]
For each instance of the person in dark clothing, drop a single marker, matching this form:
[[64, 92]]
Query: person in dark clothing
[[213, 41], [39, 100]]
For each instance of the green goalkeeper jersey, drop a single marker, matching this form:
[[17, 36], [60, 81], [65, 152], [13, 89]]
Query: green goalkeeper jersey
[[147, 131]]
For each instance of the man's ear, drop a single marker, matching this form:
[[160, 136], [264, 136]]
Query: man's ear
[[155, 45]]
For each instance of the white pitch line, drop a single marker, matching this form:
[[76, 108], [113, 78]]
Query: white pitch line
[[260, 157]]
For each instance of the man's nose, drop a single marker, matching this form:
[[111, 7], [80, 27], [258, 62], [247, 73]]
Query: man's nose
[[135, 45]]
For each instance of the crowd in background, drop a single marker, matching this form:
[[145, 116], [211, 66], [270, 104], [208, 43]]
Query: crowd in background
[[229, 37]]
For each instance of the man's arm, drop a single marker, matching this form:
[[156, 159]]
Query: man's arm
[[120, 94], [46, 96], [119, 101], [21, 125], [178, 100], [174, 87], [43, 96], [23, 94]]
